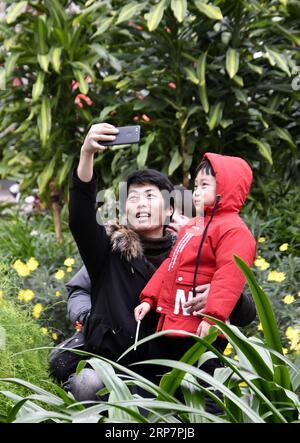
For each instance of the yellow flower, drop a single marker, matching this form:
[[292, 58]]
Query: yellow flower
[[294, 337], [57, 293], [37, 310], [243, 384], [228, 349], [299, 294], [54, 336], [284, 247], [25, 295], [44, 330], [261, 263], [69, 261], [285, 351], [21, 268], [259, 327], [236, 358], [288, 299], [69, 269], [276, 276], [32, 264], [59, 274], [261, 239], [289, 332]]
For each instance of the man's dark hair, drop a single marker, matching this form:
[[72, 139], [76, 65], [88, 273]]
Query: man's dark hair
[[153, 177], [144, 176], [205, 166]]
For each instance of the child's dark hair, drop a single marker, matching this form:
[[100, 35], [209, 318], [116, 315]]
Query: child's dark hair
[[205, 166]]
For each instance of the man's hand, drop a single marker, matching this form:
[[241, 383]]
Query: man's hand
[[96, 134], [198, 303], [141, 310], [203, 329]]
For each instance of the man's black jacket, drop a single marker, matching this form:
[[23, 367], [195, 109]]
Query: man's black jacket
[[117, 272]]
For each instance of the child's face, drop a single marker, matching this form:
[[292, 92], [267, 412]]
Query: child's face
[[204, 191]]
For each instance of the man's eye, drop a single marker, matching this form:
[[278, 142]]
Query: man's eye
[[132, 198]]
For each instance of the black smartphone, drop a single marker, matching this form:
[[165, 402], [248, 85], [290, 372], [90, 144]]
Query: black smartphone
[[126, 135]]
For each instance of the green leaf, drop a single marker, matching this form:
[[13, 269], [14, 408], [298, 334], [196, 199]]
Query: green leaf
[[263, 147], [179, 8], [175, 162], [191, 75], [46, 175], [201, 71], [15, 10], [264, 310], [83, 85], [43, 61], [201, 68], [171, 382], [210, 11], [44, 120], [57, 12], [104, 26], [156, 14], [143, 150], [199, 374], [192, 110], [106, 111], [55, 55], [275, 58], [64, 171], [232, 62], [238, 80], [38, 86], [42, 36], [215, 115], [129, 10], [10, 63], [84, 67], [284, 134]]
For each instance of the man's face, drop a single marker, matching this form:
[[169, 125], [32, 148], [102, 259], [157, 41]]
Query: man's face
[[145, 209], [204, 190]]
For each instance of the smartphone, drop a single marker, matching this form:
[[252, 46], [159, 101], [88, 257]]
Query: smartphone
[[126, 135]]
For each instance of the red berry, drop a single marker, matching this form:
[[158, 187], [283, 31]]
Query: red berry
[[146, 118], [172, 85]]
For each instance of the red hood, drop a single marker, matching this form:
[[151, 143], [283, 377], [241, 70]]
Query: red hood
[[234, 178]]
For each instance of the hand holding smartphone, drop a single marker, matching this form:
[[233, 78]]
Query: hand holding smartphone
[[126, 135]]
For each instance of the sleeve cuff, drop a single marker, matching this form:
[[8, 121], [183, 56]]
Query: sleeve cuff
[[148, 300]]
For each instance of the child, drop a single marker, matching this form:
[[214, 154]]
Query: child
[[203, 254]]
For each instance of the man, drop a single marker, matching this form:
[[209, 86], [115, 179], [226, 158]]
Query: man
[[119, 260]]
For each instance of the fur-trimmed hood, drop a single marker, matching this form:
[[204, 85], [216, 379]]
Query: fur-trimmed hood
[[124, 240]]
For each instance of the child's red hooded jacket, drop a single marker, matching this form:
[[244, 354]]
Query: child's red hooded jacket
[[227, 235]]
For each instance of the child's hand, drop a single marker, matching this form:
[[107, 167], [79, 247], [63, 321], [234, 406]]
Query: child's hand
[[203, 329], [141, 310]]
